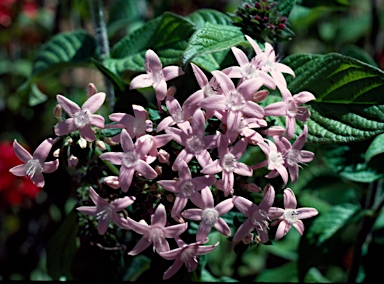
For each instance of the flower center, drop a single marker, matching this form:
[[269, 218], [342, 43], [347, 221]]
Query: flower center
[[292, 108], [235, 101], [209, 216], [259, 219], [130, 158], [195, 144], [178, 116], [275, 160], [189, 257], [82, 118], [291, 215], [156, 237], [293, 157], [157, 77], [229, 162], [33, 166], [249, 71], [104, 212], [187, 189], [139, 127]]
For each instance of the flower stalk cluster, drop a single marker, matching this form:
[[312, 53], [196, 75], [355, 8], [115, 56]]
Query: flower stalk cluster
[[163, 174]]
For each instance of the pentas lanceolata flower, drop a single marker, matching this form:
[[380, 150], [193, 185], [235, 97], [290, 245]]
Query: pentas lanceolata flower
[[161, 173]]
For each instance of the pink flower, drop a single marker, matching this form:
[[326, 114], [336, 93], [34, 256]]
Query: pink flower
[[186, 188], [106, 211], [228, 163], [136, 125], [185, 254], [34, 165], [156, 75], [293, 155], [257, 215], [155, 233], [291, 108], [194, 140], [209, 215], [237, 102], [131, 160], [290, 216], [81, 118]]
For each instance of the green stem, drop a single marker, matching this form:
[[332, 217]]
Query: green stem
[[103, 43]]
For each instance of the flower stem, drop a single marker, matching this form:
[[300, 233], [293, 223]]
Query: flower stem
[[103, 43]]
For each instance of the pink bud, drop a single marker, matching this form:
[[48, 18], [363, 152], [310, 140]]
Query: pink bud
[[163, 156], [57, 112], [91, 90], [260, 96], [248, 239], [252, 187], [72, 161], [112, 181]]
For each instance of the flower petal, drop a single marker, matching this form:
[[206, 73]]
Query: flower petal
[[94, 102], [64, 127], [69, 106], [141, 245], [21, 152]]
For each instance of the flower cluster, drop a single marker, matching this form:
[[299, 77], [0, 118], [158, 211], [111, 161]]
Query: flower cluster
[[190, 158]]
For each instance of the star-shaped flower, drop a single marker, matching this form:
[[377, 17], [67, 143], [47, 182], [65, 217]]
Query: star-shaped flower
[[185, 254], [105, 211], [34, 165], [209, 215], [131, 160], [290, 216], [156, 233], [257, 215], [81, 118]]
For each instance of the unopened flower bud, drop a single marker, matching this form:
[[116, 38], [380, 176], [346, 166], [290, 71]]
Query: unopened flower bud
[[163, 156], [109, 141], [170, 197], [248, 239], [72, 161], [101, 145], [56, 153], [91, 90], [260, 96], [274, 131], [159, 170], [57, 112], [112, 181], [171, 91], [82, 143], [252, 187]]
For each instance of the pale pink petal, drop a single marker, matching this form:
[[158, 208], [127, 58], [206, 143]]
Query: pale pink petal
[[97, 120], [169, 185], [192, 214], [201, 78], [303, 114], [293, 172], [254, 45], [306, 212], [228, 179], [290, 127], [284, 68], [161, 244], [51, 166], [217, 102], [289, 199], [20, 170], [304, 97], [65, 127], [203, 232], [38, 179], [178, 206], [177, 264], [212, 168], [299, 225], [243, 170], [253, 110], [283, 173], [306, 156], [161, 90], [269, 197], [244, 205], [171, 72], [126, 141], [201, 250], [141, 81], [87, 133], [125, 178], [141, 245], [240, 56], [145, 169], [239, 148], [166, 122], [224, 206], [174, 230], [152, 62], [69, 106], [102, 226], [204, 158], [276, 109], [207, 197], [94, 102], [160, 216], [242, 231], [249, 87], [233, 72], [222, 227], [275, 213], [192, 103], [113, 157], [162, 139], [42, 151], [21, 152], [226, 84], [282, 230], [122, 203], [89, 210]]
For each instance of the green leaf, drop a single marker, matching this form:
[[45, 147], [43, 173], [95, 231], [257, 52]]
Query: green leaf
[[167, 35], [65, 49], [36, 96], [61, 248], [116, 81], [283, 273], [202, 16], [212, 38], [375, 148], [326, 3], [335, 78], [322, 235], [285, 7]]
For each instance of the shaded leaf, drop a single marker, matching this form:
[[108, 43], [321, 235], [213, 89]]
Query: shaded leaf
[[375, 148], [202, 16]]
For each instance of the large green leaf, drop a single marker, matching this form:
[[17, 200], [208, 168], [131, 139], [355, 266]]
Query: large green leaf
[[202, 16], [167, 35], [212, 38], [63, 50], [323, 235], [375, 148], [335, 78]]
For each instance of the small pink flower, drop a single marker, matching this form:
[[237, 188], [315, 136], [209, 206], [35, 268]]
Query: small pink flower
[[131, 160], [156, 75], [209, 215], [290, 216], [257, 215], [81, 118], [185, 254], [34, 165], [156, 233], [106, 211]]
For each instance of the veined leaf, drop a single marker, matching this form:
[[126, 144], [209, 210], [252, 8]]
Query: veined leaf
[[285, 7], [212, 38], [335, 78], [64, 49], [202, 16], [167, 35], [375, 148]]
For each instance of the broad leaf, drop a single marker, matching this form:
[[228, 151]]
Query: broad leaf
[[322, 236], [202, 16], [334, 78], [375, 148], [285, 7], [212, 38], [167, 35]]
